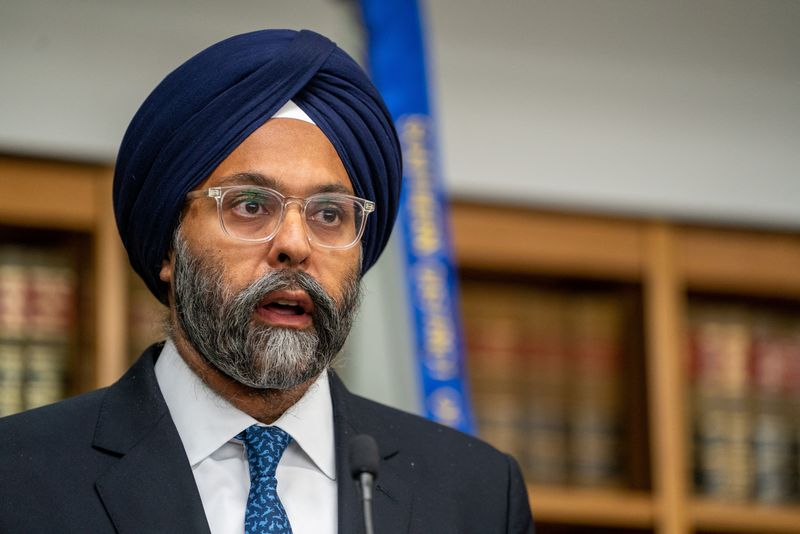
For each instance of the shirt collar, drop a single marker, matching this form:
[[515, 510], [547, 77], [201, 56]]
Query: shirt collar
[[206, 421]]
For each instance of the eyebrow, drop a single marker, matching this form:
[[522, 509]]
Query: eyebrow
[[248, 178], [255, 178]]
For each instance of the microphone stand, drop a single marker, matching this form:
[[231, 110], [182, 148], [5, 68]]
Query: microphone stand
[[364, 459], [365, 480]]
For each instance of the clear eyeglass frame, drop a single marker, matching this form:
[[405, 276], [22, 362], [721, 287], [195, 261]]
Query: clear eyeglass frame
[[218, 194]]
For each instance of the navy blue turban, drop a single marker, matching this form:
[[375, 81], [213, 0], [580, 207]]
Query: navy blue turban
[[206, 107]]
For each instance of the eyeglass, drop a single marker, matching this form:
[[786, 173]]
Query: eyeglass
[[254, 213]]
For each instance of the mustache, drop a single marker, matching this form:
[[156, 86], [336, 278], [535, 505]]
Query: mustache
[[288, 279]]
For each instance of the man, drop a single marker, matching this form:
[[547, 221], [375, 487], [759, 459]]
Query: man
[[253, 188]]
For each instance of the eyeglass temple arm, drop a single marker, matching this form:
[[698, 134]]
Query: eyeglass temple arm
[[213, 192]]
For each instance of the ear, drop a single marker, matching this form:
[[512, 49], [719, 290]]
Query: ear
[[167, 265]]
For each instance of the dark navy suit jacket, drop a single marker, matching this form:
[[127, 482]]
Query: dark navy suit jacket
[[112, 461]]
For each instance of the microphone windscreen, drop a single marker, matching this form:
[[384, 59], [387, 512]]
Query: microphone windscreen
[[363, 455]]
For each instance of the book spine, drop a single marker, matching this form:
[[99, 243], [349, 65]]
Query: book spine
[[11, 377], [496, 367], [13, 295], [45, 364], [792, 385], [721, 349], [594, 391], [772, 423], [544, 351], [51, 318]]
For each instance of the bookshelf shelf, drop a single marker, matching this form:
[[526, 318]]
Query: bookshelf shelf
[[602, 507], [757, 270], [522, 241], [739, 262], [743, 517], [49, 195]]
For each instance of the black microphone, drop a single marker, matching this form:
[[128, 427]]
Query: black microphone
[[363, 456]]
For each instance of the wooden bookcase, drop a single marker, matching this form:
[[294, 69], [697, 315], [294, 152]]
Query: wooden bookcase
[[76, 198], [668, 260]]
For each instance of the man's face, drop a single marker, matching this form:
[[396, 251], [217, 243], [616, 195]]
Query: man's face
[[278, 297]]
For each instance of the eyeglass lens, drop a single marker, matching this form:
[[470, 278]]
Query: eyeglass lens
[[253, 214]]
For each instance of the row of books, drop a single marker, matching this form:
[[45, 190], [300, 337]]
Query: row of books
[[39, 327], [38, 315], [545, 373], [745, 377]]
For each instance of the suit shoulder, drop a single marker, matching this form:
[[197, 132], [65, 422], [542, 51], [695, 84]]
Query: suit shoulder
[[70, 419], [425, 435], [457, 476]]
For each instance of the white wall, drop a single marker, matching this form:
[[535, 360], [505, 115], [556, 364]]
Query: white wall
[[688, 108], [74, 71]]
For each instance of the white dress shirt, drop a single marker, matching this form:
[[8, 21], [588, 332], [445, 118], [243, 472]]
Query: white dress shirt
[[207, 425]]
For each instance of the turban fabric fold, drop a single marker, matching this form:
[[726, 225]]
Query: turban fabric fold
[[206, 107]]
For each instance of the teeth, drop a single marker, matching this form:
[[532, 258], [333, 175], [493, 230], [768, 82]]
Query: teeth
[[286, 302]]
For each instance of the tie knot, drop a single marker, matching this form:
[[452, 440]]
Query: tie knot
[[265, 446]]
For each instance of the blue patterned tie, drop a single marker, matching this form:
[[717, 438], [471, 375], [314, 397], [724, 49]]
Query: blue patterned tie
[[265, 513]]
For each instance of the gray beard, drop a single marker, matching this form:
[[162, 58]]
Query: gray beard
[[219, 323]]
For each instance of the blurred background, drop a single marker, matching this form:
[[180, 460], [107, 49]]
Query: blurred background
[[623, 185]]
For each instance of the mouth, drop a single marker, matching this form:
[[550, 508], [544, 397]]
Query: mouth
[[286, 308]]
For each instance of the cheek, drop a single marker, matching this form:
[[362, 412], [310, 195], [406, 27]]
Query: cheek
[[338, 267], [238, 259], [241, 267]]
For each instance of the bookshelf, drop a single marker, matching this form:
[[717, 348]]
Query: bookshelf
[[662, 263], [72, 200], [670, 262]]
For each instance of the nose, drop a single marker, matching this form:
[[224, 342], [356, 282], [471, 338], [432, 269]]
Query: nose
[[290, 247]]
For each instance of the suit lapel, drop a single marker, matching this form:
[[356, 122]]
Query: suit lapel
[[151, 487], [392, 497]]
